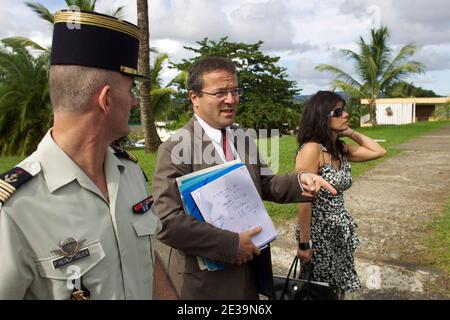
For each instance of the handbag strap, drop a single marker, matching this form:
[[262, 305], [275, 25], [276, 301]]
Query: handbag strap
[[294, 267], [308, 267]]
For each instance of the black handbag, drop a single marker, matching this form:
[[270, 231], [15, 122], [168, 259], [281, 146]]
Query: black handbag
[[287, 288]]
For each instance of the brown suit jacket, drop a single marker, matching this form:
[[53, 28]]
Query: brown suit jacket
[[190, 238]]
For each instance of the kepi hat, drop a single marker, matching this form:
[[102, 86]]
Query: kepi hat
[[95, 40]]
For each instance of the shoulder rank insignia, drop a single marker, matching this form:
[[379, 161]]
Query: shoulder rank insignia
[[11, 181], [143, 206], [123, 154]]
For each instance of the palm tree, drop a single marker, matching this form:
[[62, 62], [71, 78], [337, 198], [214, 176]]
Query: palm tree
[[375, 68], [25, 108], [151, 137], [83, 5], [161, 97]]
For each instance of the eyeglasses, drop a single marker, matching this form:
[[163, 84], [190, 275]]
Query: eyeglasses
[[337, 112], [222, 94]]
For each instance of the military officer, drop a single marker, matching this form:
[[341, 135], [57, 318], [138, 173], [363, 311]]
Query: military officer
[[76, 221]]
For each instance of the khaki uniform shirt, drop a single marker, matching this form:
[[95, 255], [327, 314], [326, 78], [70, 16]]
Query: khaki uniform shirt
[[61, 202]]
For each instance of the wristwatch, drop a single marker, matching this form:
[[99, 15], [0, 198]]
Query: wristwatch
[[305, 245]]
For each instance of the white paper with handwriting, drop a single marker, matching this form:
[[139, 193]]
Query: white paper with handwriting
[[232, 203]]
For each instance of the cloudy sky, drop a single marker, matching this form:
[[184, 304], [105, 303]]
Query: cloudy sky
[[303, 33]]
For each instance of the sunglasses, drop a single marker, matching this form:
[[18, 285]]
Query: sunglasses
[[337, 112]]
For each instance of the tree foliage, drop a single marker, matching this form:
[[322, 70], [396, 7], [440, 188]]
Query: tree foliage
[[442, 111], [161, 97], [268, 96], [84, 5], [404, 89], [375, 68], [25, 108]]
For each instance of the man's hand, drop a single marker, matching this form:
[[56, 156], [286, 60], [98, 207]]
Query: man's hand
[[311, 184], [246, 247]]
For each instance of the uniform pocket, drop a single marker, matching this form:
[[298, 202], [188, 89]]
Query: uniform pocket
[[58, 282], [146, 226]]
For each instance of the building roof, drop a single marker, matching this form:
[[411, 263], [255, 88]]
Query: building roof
[[409, 100]]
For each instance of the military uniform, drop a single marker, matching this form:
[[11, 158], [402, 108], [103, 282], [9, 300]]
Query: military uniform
[[60, 238], [60, 202]]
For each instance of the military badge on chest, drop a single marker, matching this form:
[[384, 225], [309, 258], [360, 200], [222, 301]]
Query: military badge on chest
[[71, 251]]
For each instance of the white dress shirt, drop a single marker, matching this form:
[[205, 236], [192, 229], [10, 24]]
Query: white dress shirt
[[215, 135]]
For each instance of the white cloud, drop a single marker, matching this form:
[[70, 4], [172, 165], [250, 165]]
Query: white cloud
[[302, 33], [424, 22], [18, 20], [434, 58], [188, 20], [268, 21]]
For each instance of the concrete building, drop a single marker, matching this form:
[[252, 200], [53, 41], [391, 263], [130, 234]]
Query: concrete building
[[403, 110]]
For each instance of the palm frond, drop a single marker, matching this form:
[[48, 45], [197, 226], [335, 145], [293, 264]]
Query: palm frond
[[405, 52], [156, 68], [401, 71], [340, 74], [24, 101], [84, 5], [119, 12], [41, 11], [349, 89], [25, 42], [180, 79]]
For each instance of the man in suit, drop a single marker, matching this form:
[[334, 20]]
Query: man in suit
[[214, 93]]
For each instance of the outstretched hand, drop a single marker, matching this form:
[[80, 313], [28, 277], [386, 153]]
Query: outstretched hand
[[312, 183]]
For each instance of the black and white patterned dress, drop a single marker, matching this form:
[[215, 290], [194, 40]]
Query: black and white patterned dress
[[333, 231]]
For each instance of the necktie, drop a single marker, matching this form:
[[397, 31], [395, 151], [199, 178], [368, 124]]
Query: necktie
[[226, 148]]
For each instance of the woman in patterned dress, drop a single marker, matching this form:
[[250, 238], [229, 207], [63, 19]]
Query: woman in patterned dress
[[326, 231]]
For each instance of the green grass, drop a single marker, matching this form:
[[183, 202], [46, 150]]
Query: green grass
[[393, 135], [7, 163], [437, 255], [147, 162], [438, 240]]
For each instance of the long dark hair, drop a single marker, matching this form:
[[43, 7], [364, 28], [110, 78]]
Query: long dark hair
[[315, 127]]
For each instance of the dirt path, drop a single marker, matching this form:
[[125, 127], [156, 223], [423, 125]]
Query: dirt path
[[392, 204]]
